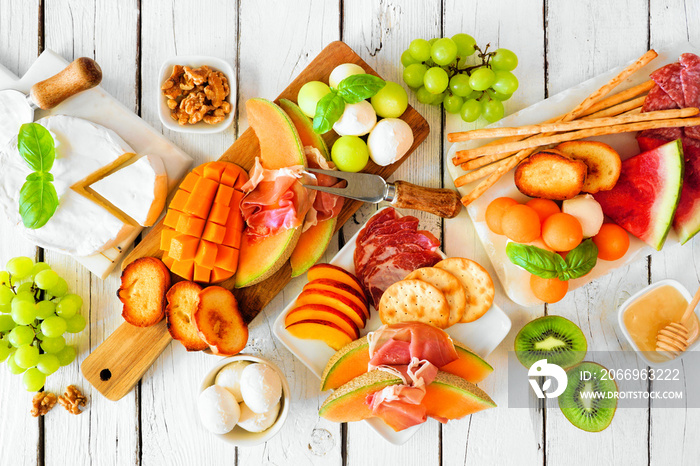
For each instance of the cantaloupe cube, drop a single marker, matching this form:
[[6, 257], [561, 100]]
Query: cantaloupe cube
[[234, 229], [214, 233], [206, 254], [184, 268], [183, 247], [166, 236], [168, 261], [190, 225], [179, 200], [201, 198], [218, 214], [201, 274], [171, 218], [223, 195], [213, 170], [219, 275], [189, 182], [227, 258]]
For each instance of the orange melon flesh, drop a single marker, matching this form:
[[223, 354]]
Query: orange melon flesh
[[280, 145], [469, 365], [322, 330], [304, 127], [451, 397], [321, 312], [259, 256], [348, 403], [311, 246]]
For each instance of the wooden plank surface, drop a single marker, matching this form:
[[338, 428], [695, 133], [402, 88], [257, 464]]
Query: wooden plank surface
[[559, 44]]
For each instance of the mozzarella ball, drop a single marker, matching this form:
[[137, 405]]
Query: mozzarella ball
[[258, 422], [341, 72], [229, 377], [261, 387], [218, 409], [389, 141], [357, 119], [587, 211]]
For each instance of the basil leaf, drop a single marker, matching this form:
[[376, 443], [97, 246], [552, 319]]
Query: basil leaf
[[36, 146], [37, 203], [545, 264], [580, 260], [40, 176], [328, 110], [358, 87]]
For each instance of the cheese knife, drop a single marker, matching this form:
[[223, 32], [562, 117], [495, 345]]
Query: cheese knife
[[366, 187], [16, 108]]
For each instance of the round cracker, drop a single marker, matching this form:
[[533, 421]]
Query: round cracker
[[451, 287], [476, 281], [414, 300]]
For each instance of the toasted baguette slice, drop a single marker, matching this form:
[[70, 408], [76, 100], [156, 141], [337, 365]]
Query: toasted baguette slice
[[183, 298], [550, 174], [603, 163], [142, 291], [219, 322]]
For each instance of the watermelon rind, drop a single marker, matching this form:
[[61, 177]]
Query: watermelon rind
[[687, 221]]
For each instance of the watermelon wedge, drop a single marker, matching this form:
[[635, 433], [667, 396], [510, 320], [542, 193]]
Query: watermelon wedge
[[687, 220], [646, 195]]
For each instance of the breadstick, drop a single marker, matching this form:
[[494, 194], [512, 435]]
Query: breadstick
[[493, 152], [618, 109], [495, 176], [620, 97], [578, 124], [479, 173]]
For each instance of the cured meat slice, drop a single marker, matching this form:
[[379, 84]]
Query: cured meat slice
[[381, 217], [692, 132], [669, 79], [668, 134], [398, 344], [379, 248], [657, 99], [690, 79]]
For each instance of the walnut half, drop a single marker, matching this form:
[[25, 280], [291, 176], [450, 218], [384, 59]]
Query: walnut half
[[72, 400], [198, 94], [42, 403]]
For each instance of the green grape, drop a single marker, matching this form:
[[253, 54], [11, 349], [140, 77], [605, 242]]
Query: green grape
[[20, 267], [408, 59], [45, 309], [438, 98], [5, 308], [481, 78], [459, 85], [391, 101], [53, 326], [413, 74], [497, 95], [39, 335], [493, 110], [432, 41], [465, 44], [53, 345], [424, 96], [23, 312], [48, 363], [6, 295], [5, 278], [309, 95], [33, 380], [38, 267], [25, 295], [27, 356], [436, 80], [75, 324], [471, 110], [69, 305], [443, 51], [7, 323], [474, 95], [21, 335], [505, 82], [66, 355], [25, 287], [453, 103], [349, 153], [60, 289], [12, 365], [5, 351], [46, 279], [504, 60], [420, 49]]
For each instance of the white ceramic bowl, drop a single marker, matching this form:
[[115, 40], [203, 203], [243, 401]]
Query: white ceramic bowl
[[194, 61], [621, 320], [239, 436]]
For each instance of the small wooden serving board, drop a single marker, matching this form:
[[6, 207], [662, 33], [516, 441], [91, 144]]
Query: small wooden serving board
[[130, 351]]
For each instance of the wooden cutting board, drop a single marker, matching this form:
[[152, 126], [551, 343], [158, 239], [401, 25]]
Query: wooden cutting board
[[120, 361]]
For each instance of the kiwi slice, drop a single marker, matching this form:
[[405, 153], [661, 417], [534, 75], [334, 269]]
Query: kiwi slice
[[585, 411], [554, 338]]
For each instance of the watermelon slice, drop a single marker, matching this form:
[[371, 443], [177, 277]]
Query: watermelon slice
[[646, 195], [687, 220]]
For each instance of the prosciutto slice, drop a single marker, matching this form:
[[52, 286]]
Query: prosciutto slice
[[325, 206]]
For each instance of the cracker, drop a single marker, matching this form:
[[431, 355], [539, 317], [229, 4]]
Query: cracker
[[414, 300], [476, 281], [451, 287]]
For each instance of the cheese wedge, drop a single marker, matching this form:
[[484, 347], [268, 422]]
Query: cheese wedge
[[138, 190]]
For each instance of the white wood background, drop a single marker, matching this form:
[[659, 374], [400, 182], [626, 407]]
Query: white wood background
[[560, 43]]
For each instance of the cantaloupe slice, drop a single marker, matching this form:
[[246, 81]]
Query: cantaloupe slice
[[304, 127], [451, 397], [469, 365], [280, 145], [260, 258], [349, 402], [311, 246]]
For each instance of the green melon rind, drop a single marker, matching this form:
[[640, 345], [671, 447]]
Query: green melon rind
[[363, 385], [303, 268], [346, 351], [459, 347], [302, 122], [457, 383], [269, 269], [665, 208]]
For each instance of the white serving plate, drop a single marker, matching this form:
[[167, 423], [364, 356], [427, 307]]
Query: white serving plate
[[482, 336], [98, 106], [514, 279]]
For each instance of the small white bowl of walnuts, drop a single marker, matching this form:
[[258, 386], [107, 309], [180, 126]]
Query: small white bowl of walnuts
[[195, 94]]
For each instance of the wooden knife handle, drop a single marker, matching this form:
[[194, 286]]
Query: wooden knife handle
[[82, 74], [442, 202]]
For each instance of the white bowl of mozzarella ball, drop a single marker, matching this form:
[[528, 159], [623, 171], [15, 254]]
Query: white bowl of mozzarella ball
[[244, 400]]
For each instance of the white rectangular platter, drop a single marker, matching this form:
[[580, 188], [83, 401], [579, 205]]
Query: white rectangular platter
[[515, 280], [99, 107], [482, 336]]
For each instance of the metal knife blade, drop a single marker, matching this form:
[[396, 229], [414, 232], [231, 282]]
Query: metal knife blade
[[363, 187]]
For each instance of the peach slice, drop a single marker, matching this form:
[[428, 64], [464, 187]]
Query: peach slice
[[333, 272], [342, 289], [322, 330], [219, 321], [336, 301], [321, 312]]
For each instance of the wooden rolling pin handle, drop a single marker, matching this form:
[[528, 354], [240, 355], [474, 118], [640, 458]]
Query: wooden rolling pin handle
[[442, 202], [82, 74]]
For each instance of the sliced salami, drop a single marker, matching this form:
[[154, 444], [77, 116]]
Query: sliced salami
[[668, 134], [690, 79], [657, 99], [669, 79]]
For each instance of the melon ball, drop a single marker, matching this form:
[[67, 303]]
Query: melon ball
[[389, 141], [357, 119], [229, 377], [218, 409], [587, 211], [257, 422], [309, 95], [391, 100], [341, 72], [261, 387]]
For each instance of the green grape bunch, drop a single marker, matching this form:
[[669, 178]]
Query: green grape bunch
[[441, 72], [36, 311]]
